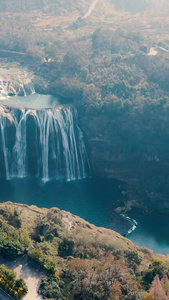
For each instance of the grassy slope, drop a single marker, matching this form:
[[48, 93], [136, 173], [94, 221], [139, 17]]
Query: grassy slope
[[83, 272], [78, 227]]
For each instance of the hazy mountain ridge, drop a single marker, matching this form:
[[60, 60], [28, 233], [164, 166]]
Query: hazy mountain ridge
[[64, 6], [43, 5], [139, 6]]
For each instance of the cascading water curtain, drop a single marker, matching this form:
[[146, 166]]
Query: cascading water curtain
[[44, 143]]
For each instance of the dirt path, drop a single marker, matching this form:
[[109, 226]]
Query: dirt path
[[13, 52], [31, 276], [26, 207], [68, 222], [90, 9]]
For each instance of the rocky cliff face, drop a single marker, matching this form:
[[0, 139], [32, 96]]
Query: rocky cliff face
[[117, 149]]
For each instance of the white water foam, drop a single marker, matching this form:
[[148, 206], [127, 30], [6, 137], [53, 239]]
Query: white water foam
[[132, 222], [15, 83]]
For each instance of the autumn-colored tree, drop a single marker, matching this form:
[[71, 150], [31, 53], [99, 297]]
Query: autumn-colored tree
[[93, 280], [157, 289], [79, 272], [149, 296], [165, 283], [115, 291]]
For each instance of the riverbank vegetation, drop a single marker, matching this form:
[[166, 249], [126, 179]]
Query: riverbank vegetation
[[81, 261]]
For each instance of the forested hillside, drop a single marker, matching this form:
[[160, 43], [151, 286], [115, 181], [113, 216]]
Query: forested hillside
[[115, 66]]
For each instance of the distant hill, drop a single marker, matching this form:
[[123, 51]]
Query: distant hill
[[44, 5], [139, 6], [64, 6], [130, 5], [20, 5]]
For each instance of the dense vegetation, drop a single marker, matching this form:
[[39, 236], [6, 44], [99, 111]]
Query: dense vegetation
[[80, 260], [12, 242], [122, 95], [121, 91], [8, 282], [116, 83]]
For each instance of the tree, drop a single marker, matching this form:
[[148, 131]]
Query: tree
[[66, 247], [165, 283], [115, 291], [149, 296], [50, 288], [79, 272], [157, 289], [8, 282], [157, 267], [72, 62]]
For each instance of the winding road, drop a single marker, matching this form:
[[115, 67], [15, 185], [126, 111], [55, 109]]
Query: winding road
[[90, 9]]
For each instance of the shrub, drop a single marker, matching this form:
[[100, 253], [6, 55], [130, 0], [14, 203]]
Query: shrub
[[15, 287]]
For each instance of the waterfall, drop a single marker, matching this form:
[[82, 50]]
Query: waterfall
[[15, 85], [3, 124], [46, 143], [19, 149]]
